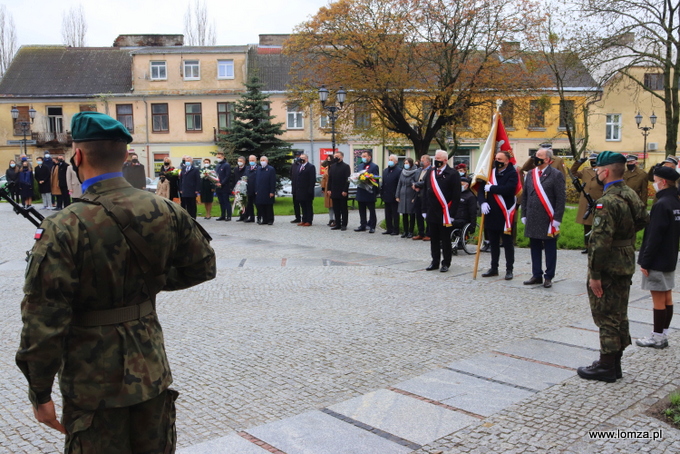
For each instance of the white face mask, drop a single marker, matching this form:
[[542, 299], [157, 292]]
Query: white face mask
[[656, 186], [263, 163], [205, 166], [463, 188], [241, 164]]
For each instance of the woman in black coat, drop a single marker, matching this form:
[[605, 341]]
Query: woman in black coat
[[26, 184], [12, 174]]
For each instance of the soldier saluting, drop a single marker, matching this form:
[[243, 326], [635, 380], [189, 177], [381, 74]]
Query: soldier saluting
[[619, 213], [89, 305]]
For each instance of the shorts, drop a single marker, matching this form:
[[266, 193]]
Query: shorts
[[658, 281]]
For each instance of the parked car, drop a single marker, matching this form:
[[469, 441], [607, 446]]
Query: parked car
[[3, 181], [287, 188], [151, 184]]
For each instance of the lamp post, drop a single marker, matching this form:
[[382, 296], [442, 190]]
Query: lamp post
[[645, 131], [25, 125], [332, 110]]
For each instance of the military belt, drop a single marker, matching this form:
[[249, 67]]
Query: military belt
[[112, 316], [623, 243]]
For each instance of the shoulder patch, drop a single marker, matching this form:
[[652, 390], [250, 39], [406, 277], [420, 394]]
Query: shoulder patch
[[38, 234], [596, 221], [599, 206]]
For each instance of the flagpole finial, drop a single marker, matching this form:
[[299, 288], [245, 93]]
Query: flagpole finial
[[499, 103]]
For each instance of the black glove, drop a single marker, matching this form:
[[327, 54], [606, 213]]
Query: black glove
[[582, 160]]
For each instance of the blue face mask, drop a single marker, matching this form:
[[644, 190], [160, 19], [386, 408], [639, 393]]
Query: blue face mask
[[12, 165], [47, 156], [252, 163], [407, 166], [364, 160], [390, 163]]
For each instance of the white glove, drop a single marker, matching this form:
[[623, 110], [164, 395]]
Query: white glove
[[556, 224], [487, 187], [424, 215], [524, 220], [485, 208]]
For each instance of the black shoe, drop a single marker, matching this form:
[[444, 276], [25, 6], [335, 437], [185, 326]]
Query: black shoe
[[221, 219], [239, 220], [248, 220], [602, 370], [508, 276], [432, 267], [394, 233], [296, 221], [547, 283], [585, 251], [270, 223], [387, 232], [410, 235], [486, 247], [444, 269], [534, 281], [337, 227], [372, 230], [404, 235], [228, 218], [259, 222], [343, 228], [360, 229], [490, 273]]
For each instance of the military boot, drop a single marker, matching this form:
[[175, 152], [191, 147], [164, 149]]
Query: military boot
[[617, 364], [602, 370]]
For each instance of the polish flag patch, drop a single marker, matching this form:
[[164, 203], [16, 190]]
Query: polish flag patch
[[38, 234], [598, 206]]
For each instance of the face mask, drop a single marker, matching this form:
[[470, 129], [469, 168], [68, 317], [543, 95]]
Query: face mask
[[463, 188], [336, 160], [241, 164], [263, 163], [592, 164], [461, 173], [162, 179], [538, 161], [167, 164], [364, 160], [218, 160], [23, 159], [75, 168], [597, 178], [47, 156], [630, 167], [498, 164], [39, 163], [252, 163], [135, 161], [12, 165], [438, 164], [390, 163], [407, 166], [188, 165], [656, 186], [205, 166]]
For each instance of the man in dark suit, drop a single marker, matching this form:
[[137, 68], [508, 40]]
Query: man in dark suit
[[388, 191], [294, 171], [306, 179], [498, 218], [62, 168], [542, 212], [224, 185], [189, 185], [441, 188], [423, 231], [338, 189], [265, 190], [251, 173], [240, 172], [367, 196]]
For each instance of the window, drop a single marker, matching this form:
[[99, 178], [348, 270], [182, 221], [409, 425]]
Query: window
[[362, 116], [536, 115], [613, 131], [193, 116], [159, 114], [225, 69], [324, 121], [158, 70], [225, 116], [653, 81], [124, 115], [566, 114], [508, 114], [192, 70], [294, 117], [55, 119]]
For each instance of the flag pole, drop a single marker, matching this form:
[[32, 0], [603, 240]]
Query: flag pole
[[492, 157]]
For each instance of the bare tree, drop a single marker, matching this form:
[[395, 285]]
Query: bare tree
[[197, 30], [8, 39], [74, 27]]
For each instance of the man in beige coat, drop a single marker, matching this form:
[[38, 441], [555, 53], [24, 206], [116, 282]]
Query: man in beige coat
[[590, 186]]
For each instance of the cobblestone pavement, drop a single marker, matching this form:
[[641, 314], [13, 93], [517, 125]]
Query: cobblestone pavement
[[306, 319]]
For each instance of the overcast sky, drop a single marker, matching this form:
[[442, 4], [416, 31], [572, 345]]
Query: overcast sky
[[237, 21]]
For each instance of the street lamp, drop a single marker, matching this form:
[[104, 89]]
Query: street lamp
[[645, 130], [323, 97], [25, 125]]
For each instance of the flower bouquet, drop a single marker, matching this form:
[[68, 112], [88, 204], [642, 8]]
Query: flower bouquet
[[240, 195], [172, 173], [210, 175], [365, 180]]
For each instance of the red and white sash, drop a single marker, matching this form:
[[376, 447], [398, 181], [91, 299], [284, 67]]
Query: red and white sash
[[508, 213], [442, 200], [543, 197]]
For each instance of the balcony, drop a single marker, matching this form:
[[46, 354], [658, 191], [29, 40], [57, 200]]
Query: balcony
[[52, 139]]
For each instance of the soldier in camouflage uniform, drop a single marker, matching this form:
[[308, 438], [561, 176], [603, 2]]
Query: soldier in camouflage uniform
[[89, 305], [611, 263]]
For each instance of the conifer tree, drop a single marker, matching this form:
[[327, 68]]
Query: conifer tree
[[252, 131]]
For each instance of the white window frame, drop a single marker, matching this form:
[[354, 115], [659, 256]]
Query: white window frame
[[158, 66], [613, 128], [324, 121], [294, 117], [188, 66], [228, 65]]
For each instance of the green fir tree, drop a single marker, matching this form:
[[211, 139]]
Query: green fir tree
[[253, 133]]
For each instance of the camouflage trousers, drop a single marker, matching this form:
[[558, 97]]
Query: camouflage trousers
[[610, 313], [148, 427]]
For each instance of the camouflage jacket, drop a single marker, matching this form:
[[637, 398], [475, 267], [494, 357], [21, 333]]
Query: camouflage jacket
[[618, 215], [82, 262]]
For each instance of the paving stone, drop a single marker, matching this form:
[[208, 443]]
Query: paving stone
[[637, 329], [572, 336], [318, 433], [224, 445], [550, 352], [646, 315], [403, 416]]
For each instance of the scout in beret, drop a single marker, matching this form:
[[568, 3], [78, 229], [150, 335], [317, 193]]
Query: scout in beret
[[609, 157], [95, 126]]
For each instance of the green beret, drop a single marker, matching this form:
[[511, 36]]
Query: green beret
[[609, 157], [89, 126]]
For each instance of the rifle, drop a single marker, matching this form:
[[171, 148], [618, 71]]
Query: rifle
[[29, 213], [579, 188]]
